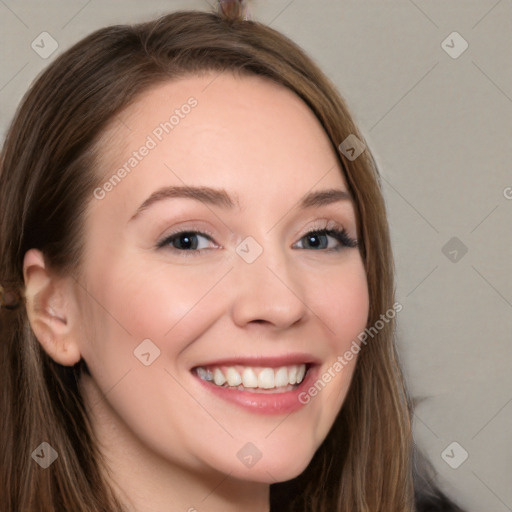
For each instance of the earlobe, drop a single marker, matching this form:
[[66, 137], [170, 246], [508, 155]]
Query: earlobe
[[50, 309]]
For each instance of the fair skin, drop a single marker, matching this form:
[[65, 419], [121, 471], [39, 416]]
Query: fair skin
[[168, 439]]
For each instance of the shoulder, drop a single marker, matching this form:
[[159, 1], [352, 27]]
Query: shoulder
[[434, 501]]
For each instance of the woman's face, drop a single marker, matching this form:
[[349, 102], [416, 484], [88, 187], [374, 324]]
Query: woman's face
[[205, 259]]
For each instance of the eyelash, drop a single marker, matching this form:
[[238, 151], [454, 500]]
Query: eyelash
[[340, 235]]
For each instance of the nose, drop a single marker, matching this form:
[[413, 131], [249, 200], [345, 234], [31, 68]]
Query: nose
[[267, 291]]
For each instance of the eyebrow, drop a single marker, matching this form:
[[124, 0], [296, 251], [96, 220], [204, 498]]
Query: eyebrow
[[220, 198]]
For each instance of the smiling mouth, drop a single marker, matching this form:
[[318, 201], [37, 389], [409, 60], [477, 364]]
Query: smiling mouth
[[256, 379]]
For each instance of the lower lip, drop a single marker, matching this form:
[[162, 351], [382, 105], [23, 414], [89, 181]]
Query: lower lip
[[264, 403]]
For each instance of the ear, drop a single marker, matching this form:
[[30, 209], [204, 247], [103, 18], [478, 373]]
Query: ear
[[51, 309]]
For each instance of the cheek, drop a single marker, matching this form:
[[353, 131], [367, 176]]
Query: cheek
[[341, 302], [170, 308], [133, 302], [149, 300]]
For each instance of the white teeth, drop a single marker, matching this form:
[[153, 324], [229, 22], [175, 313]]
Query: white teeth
[[281, 377], [218, 377], [300, 373], [266, 378], [249, 378], [233, 377], [205, 373]]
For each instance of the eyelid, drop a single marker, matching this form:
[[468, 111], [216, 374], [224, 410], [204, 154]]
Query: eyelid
[[339, 232], [324, 223], [187, 226], [163, 241], [317, 225]]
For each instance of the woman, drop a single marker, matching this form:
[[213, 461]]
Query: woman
[[197, 283]]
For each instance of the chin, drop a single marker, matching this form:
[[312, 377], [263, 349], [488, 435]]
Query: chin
[[274, 471]]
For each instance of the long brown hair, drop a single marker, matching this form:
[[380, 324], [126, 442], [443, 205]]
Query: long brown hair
[[47, 174]]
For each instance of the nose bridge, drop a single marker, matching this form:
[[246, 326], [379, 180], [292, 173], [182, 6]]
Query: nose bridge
[[266, 287]]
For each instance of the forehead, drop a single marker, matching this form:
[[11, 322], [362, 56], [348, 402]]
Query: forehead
[[242, 133]]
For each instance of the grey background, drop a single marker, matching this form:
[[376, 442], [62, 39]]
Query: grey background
[[440, 129]]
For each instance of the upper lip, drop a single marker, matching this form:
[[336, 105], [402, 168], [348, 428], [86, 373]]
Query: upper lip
[[264, 361]]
